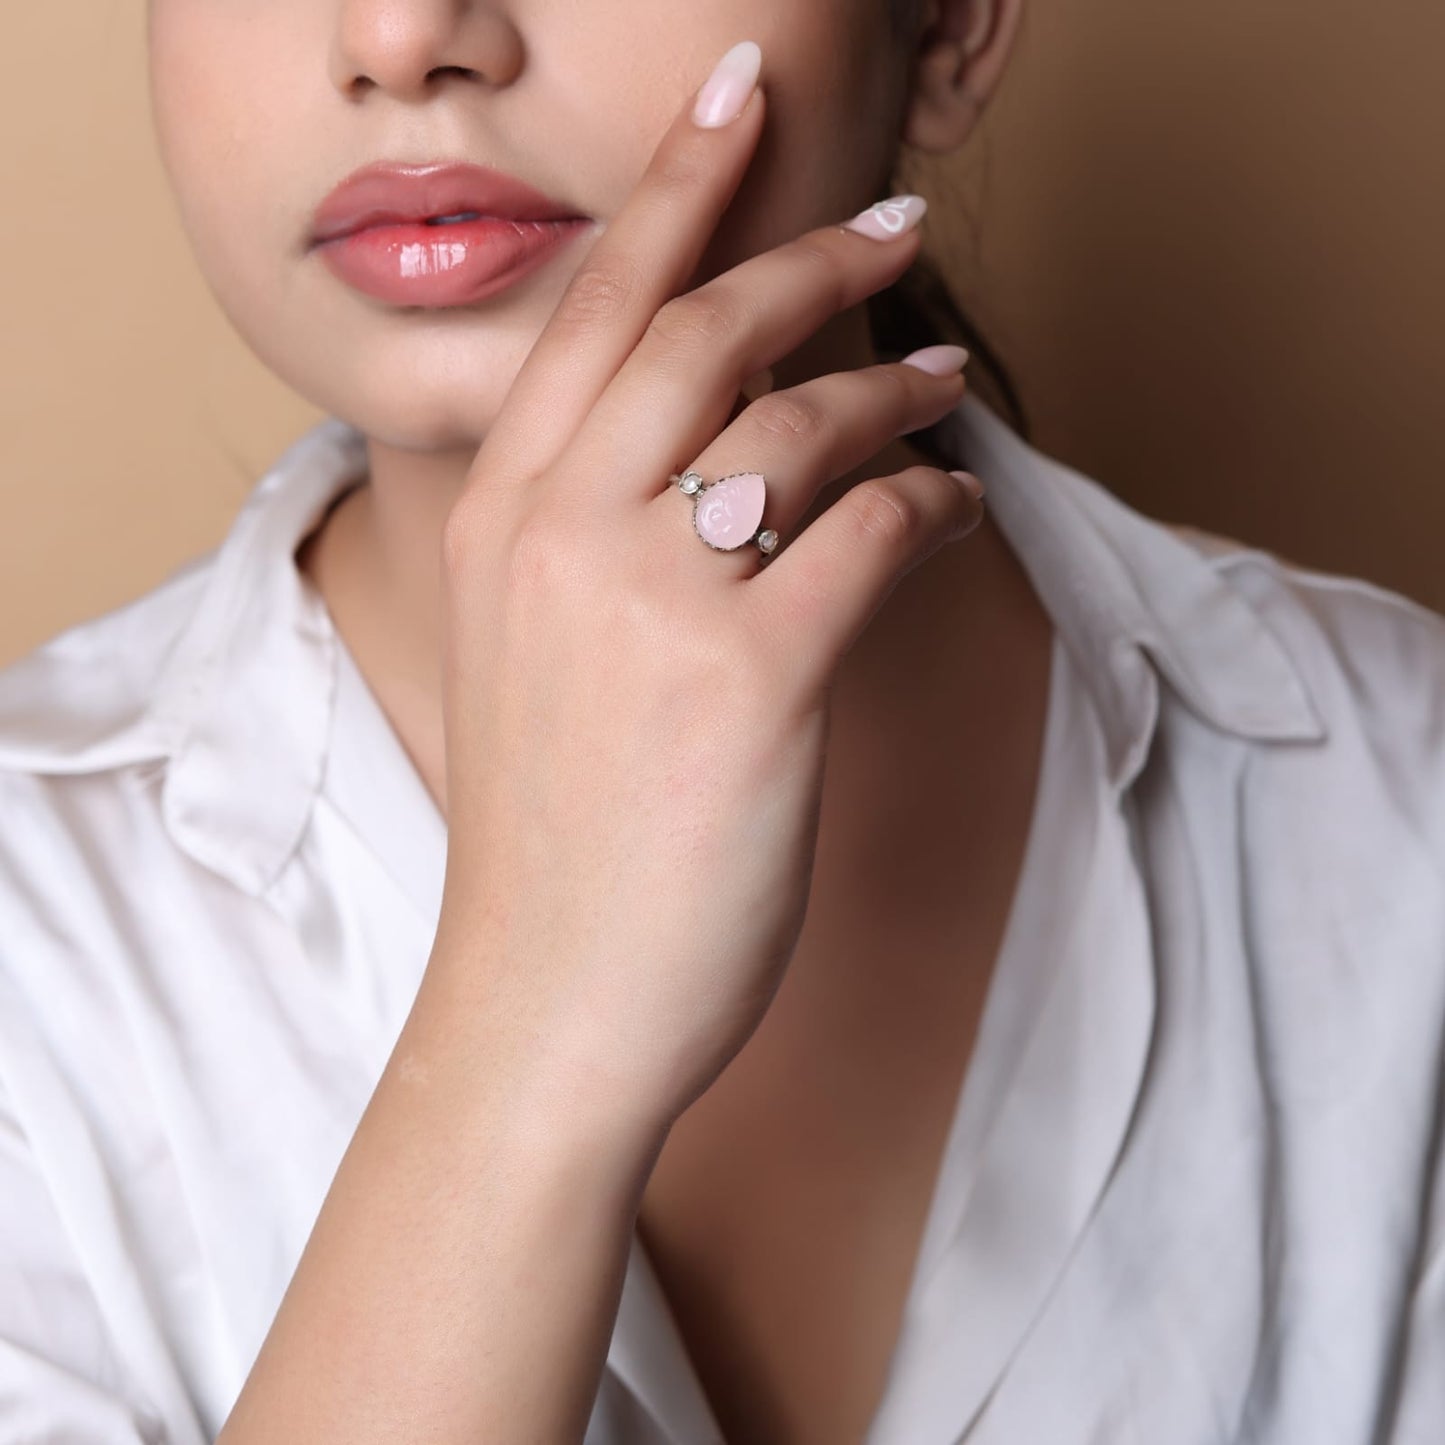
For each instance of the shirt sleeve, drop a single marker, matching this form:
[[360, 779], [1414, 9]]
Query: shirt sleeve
[[62, 1381]]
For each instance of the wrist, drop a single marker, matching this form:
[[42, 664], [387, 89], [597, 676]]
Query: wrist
[[524, 1076]]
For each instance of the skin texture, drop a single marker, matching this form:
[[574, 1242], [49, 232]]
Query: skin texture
[[937, 711]]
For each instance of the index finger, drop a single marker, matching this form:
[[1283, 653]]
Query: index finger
[[643, 258]]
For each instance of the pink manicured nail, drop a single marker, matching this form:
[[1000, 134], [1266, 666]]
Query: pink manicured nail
[[725, 92], [939, 360], [885, 219], [970, 483]]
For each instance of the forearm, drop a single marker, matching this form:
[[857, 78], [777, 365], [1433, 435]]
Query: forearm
[[463, 1276]]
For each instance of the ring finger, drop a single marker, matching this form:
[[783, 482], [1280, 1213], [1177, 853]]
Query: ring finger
[[806, 436]]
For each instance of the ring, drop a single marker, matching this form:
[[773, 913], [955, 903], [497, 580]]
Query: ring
[[726, 513]]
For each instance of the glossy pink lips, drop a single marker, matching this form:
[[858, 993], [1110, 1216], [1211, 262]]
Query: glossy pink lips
[[413, 263], [437, 234]]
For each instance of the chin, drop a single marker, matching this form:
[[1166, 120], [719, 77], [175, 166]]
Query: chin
[[395, 406]]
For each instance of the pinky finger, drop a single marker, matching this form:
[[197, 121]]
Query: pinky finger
[[819, 592]]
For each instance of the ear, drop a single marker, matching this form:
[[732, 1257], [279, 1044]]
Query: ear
[[959, 54]]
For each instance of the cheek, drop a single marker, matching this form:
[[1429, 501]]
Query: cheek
[[818, 161], [838, 127], [232, 147], [826, 145], [827, 77], [219, 90], [182, 40]]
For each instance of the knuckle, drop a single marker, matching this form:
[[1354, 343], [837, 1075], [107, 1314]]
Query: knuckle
[[883, 510], [600, 293], [788, 418], [902, 388], [880, 392], [539, 558], [699, 320]]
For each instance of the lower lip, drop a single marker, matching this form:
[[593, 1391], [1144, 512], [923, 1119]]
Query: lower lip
[[454, 265]]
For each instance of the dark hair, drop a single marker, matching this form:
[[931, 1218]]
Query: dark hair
[[919, 309]]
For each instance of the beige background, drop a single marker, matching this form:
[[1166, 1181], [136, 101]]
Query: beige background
[[1208, 239]]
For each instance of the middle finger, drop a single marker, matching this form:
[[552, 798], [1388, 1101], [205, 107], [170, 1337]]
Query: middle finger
[[675, 391]]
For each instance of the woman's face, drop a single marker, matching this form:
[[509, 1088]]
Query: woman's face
[[261, 108]]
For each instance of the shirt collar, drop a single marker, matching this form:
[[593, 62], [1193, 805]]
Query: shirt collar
[[1131, 600], [241, 704], [245, 707]]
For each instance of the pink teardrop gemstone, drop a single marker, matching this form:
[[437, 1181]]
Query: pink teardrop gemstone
[[729, 511]]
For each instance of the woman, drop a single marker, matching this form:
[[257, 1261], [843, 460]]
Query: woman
[[445, 998]]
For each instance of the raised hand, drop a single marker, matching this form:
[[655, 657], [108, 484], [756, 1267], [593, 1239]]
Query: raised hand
[[635, 722]]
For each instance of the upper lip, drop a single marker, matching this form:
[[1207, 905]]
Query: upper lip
[[386, 193]]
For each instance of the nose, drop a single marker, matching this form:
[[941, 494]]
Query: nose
[[401, 46]]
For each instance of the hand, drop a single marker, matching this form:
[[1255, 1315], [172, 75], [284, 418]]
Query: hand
[[635, 723]]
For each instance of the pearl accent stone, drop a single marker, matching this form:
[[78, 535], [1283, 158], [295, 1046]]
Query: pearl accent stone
[[728, 512], [690, 482]]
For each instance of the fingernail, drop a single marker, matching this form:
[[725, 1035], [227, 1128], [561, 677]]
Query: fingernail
[[971, 484], [725, 92], [885, 219], [937, 360]]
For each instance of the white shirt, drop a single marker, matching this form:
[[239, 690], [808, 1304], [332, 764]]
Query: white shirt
[[1192, 1191]]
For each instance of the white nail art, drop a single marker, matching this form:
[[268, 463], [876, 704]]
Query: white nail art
[[885, 219]]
